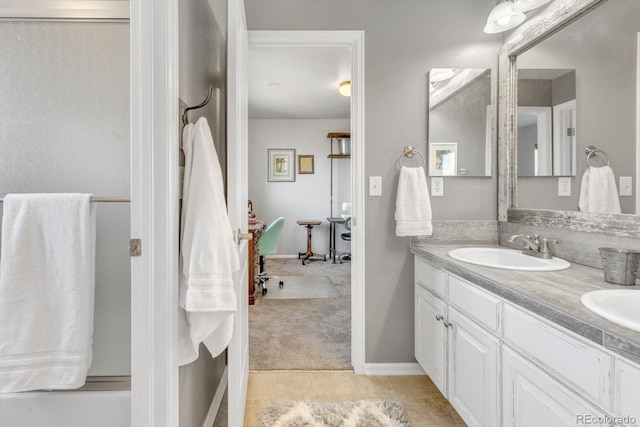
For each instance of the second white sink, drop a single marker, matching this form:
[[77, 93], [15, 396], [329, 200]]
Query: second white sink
[[621, 306], [507, 259]]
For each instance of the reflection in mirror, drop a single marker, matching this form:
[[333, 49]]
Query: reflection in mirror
[[460, 122], [601, 46], [546, 146]]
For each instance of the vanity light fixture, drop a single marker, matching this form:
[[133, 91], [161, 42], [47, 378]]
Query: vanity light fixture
[[503, 17], [525, 5], [345, 88]]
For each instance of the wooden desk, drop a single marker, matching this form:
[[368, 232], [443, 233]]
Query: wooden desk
[[256, 230], [309, 253]]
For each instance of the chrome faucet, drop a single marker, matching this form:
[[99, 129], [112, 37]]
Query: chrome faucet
[[534, 245]]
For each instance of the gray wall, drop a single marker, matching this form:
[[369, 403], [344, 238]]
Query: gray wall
[[274, 199], [403, 40], [203, 50], [64, 127], [602, 48]]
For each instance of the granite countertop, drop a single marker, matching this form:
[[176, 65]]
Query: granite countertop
[[554, 295]]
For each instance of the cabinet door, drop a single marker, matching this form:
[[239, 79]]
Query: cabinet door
[[531, 398], [430, 336], [473, 371], [627, 393]]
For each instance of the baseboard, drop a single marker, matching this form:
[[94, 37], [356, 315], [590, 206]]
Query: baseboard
[[393, 369], [281, 256], [217, 399]]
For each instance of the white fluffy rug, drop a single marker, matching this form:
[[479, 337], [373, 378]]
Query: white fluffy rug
[[381, 413]]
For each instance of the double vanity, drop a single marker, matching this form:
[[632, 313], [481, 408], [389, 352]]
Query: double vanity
[[513, 344]]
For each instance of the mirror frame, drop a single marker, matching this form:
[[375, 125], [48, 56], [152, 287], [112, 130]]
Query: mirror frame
[[556, 16]]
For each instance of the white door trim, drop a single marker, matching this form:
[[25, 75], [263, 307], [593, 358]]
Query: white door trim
[[353, 40], [154, 213]]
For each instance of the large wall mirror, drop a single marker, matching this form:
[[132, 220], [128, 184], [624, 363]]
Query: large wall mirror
[[461, 118], [592, 44]]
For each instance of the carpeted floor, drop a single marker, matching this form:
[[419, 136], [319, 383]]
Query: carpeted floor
[[302, 334]]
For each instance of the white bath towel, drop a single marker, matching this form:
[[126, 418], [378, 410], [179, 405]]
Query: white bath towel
[[208, 254], [598, 191], [47, 278], [413, 206]]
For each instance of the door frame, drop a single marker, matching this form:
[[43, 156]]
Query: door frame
[[354, 41], [154, 213]]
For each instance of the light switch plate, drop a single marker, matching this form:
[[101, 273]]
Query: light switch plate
[[626, 186], [375, 186], [437, 187], [564, 186]]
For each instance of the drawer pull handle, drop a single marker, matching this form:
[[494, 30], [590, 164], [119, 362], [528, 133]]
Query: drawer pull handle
[[447, 324], [439, 317]]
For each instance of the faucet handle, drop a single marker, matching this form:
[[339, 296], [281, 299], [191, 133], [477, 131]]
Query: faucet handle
[[544, 242]]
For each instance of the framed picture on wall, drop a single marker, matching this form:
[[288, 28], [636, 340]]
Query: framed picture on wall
[[282, 166], [305, 163], [443, 158]]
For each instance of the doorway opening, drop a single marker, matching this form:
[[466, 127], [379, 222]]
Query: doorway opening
[[294, 107]]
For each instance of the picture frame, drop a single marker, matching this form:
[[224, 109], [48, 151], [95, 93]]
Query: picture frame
[[282, 164], [305, 164], [443, 158]]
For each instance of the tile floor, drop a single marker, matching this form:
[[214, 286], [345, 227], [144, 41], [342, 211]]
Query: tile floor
[[423, 403]]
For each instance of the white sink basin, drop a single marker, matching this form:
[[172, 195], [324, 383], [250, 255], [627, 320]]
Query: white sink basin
[[621, 306], [507, 259]]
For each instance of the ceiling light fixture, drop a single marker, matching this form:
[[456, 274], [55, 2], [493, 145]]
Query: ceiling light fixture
[[345, 88], [503, 17], [441, 74], [525, 5]]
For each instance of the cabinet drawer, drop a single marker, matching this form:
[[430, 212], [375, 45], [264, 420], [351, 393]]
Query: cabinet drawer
[[430, 278], [476, 303], [580, 365]]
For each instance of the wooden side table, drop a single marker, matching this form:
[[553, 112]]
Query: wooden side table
[[256, 229], [309, 224]]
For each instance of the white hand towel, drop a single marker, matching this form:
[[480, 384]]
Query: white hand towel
[[598, 191], [413, 206], [208, 253], [47, 279]]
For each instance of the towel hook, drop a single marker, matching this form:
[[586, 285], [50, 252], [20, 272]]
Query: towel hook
[[409, 152], [591, 151], [185, 115]]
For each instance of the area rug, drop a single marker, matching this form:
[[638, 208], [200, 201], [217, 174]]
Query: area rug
[[299, 287], [380, 413]]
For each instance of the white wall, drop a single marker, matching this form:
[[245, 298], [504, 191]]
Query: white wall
[[308, 197]]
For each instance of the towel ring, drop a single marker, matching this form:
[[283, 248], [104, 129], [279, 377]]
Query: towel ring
[[591, 151], [409, 152]]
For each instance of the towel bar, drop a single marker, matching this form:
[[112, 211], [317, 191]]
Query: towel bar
[[102, 199]]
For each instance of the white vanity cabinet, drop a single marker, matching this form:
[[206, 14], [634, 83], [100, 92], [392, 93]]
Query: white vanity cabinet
[[460, 357], [501, 365], [531, 398]]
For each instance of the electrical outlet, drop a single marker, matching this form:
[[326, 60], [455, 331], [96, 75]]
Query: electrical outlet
[[626, 185], [437, 187], [375, 186], [564, 186]]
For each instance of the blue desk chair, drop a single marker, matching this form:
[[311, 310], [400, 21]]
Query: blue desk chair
[[347, 238], [268, 245]]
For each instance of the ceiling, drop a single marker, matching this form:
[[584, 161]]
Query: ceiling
[[298, 83]]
